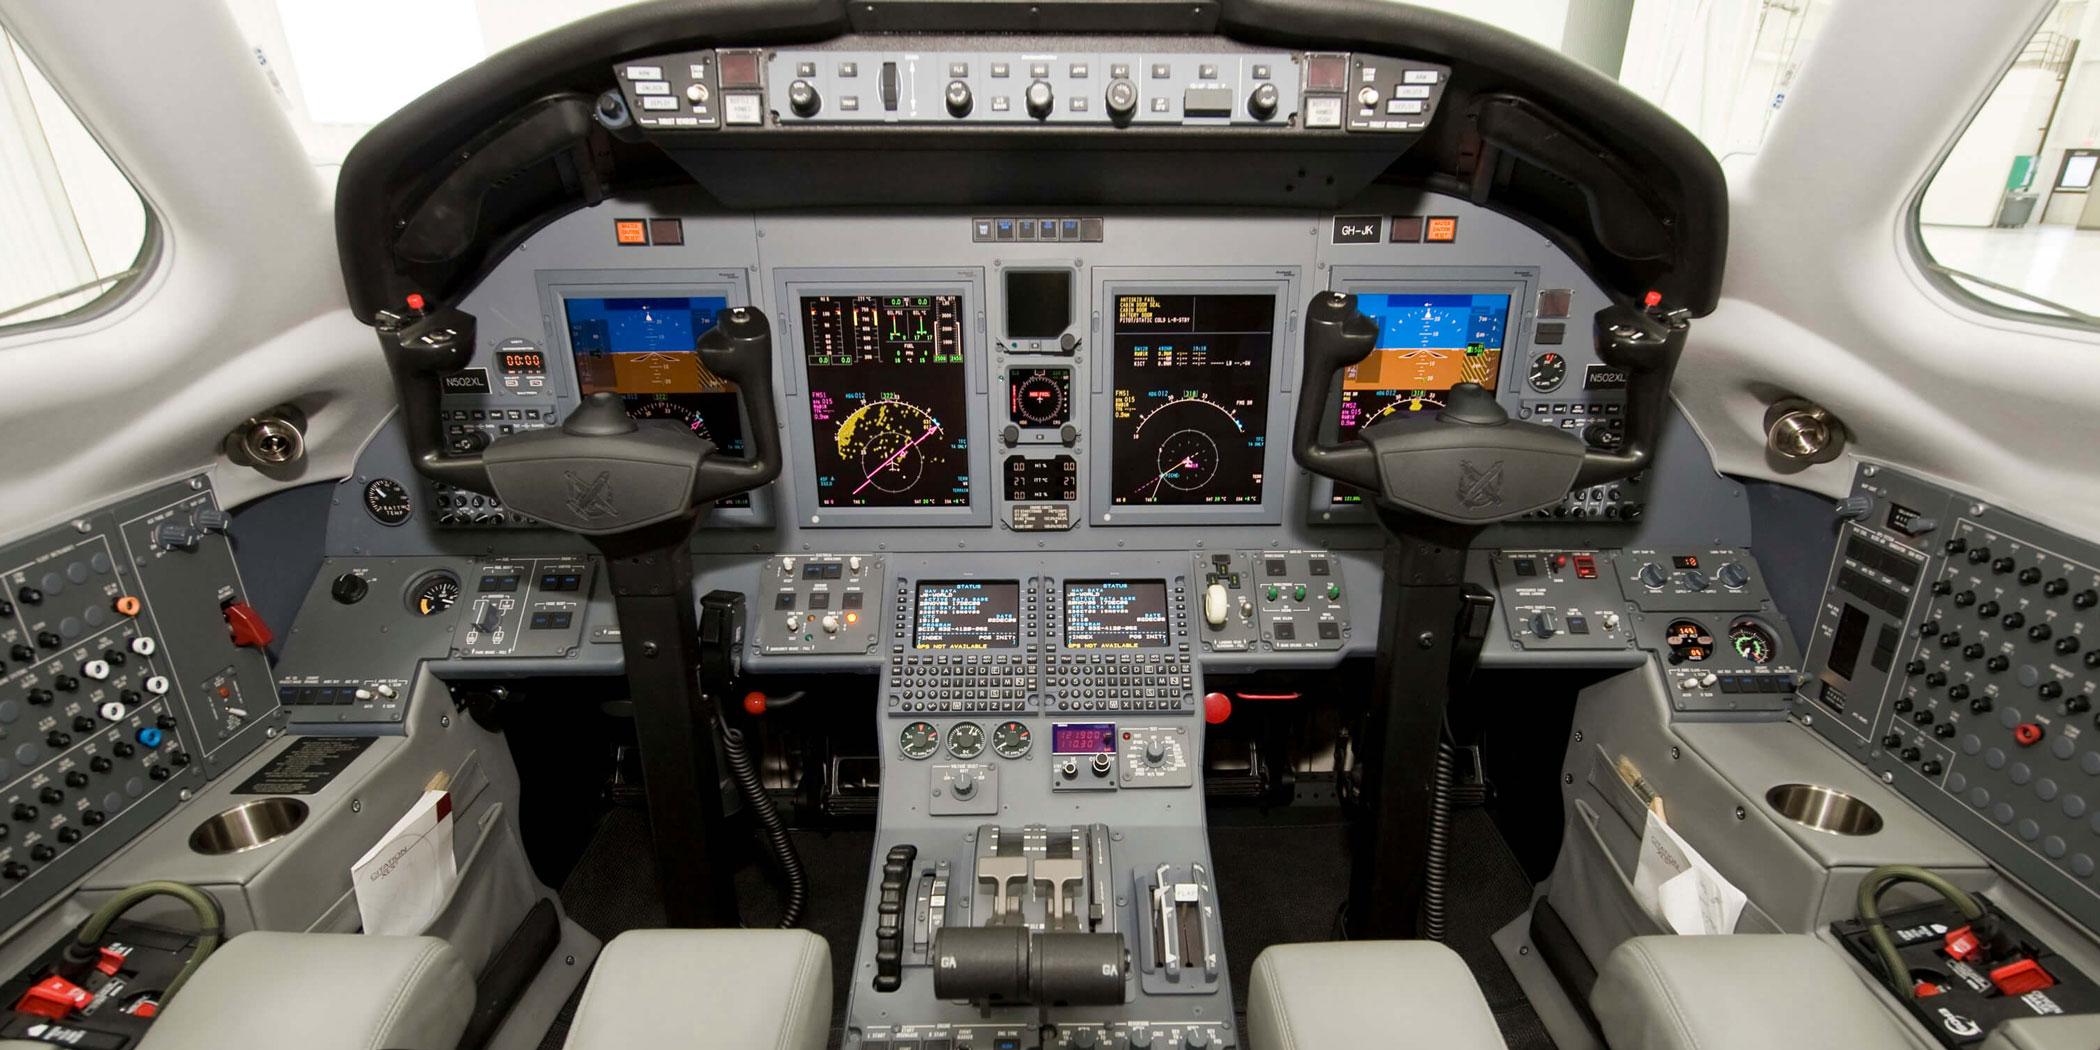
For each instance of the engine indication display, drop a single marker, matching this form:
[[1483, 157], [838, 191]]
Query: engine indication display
[[1191, 399], [1427, 344], [1039, 398], [645, 349], [1042, 480], [967, 614], [1116, 614], [887, 399]]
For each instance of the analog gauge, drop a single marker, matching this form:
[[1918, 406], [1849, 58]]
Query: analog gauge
[[1548, 371], [1689, 641], [1752, 641], [919, 740], [1012, 740], [966, 740], [663, 407], [433, 593], [387, 501]]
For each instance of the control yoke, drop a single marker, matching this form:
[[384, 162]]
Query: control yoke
[[601, 473], [1436, 482], [1471, 464], [635, 490]]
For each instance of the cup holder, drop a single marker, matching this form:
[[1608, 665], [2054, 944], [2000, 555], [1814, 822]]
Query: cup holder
[[248, 825], [1824, 809]]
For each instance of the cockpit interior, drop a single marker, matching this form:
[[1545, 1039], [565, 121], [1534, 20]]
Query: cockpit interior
[[1049, 525]]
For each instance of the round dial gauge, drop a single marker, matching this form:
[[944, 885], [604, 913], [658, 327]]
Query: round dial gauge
[[1689, 641], [966, 740], [664, 408], [387, 501], [1548, 371], [1752, 641], [1012, 740], [1040, 399], [433, 594], [919, 740]]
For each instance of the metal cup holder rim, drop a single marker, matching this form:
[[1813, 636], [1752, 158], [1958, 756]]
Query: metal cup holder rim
[[248, 826], [1824, 809]]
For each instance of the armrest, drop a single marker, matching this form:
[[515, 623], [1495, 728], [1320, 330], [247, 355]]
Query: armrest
[[1742, 991], [2069, 1032], [320, 991]]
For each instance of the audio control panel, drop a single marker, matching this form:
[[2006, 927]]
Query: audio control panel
[[1209, 84], [819, 603], [1955, 655], [131, 667]]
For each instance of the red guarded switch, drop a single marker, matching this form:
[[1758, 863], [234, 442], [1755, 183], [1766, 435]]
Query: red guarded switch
[[1962, 944], [53, 997], [111, 961], [2019, 978], [247, 626]]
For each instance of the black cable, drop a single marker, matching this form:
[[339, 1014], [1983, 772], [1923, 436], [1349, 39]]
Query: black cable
[[1437, 862], [795, 892], [1879, 880]]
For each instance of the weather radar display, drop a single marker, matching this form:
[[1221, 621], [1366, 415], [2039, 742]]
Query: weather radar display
[[888, 388]]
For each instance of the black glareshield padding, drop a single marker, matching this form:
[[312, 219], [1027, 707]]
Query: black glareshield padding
[[1469, 463], [421, 356]]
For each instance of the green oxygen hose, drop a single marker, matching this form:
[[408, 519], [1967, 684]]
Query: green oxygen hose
[[1870, 891], [211, 924]]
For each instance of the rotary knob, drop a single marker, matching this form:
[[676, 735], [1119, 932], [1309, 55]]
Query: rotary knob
[[1261, 105], [1654, 575], [958, 99], [349, 589], [803, 99], [1039, 98], [1103, 765], [1695, 580], [1545, 624], [1155, 752], [1122, 99], [964, 785]]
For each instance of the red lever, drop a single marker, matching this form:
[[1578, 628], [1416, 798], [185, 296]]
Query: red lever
[[1962, 944], [53, 997], [1217, 707], [249, 630], [754, 703], [111, 961]]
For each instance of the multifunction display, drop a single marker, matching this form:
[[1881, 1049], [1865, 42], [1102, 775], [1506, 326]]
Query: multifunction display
[[1191, 402], [1116, 614], [968, 615], [645, 349], [1427, 344], [888, 389]]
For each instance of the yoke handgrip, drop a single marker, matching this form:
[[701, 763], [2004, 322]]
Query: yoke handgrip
[[1647, 347], [739, 348], [419, 356], [1337, 335]]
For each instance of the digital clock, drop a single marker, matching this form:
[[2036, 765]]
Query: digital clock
[[521, 362]]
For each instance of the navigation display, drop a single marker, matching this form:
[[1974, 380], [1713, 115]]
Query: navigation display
[[644, 349], [1116, 614], [968, 615], [1427, 344], [888, 389], [1191, 404]]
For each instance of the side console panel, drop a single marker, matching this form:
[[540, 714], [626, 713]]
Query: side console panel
[[1954, 656], [131, 669]]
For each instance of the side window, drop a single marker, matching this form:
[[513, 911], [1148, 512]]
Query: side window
[[74, 228], [2011, 219]]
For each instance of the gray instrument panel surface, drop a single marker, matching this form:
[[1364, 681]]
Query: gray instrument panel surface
[[1953, 655], [111, 712]]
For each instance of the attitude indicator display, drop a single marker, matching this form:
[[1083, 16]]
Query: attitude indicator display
[[1427, 344], [888, 392], [646, 349], [1191, 399]]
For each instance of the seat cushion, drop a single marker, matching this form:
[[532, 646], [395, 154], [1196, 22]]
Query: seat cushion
[[1739, 990], [320, 991], [1367, 993], [707, 990]]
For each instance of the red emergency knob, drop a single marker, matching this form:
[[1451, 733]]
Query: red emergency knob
[[2028, 734], [754, 703], [1217, 707]]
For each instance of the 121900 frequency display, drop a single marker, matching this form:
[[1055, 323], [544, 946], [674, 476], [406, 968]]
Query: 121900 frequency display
[[888, 390], [1191, 405]]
